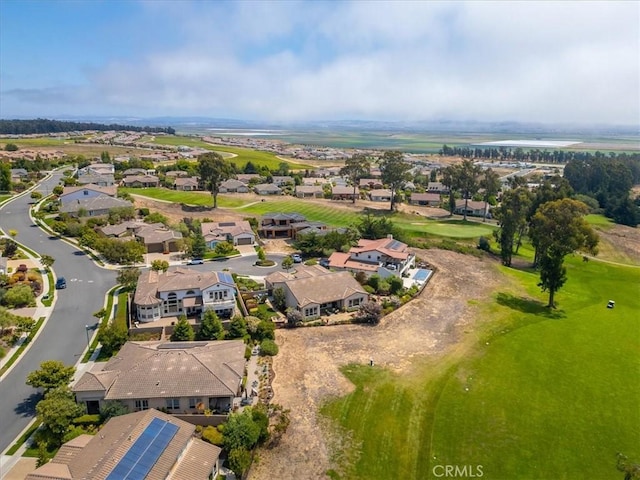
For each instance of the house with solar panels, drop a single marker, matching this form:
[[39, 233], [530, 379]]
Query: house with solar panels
[[181, 378], [144, 445], [385, 256], [183, 291]]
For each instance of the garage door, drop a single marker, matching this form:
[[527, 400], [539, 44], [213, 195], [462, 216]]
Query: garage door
[[244, 241]]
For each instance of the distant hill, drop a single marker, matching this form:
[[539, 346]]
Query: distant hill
[[44, 126]]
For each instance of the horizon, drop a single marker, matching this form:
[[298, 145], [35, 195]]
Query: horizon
[[556, 63]]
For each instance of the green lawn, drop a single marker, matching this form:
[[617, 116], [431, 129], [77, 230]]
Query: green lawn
[[242, 155], [530, 394], [317, 212], [190, 198], [600, 221], [448, 228]]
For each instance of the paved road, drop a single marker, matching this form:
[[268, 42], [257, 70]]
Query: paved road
[[64, 336]]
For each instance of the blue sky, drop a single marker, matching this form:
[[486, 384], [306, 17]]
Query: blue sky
[[550, 62]]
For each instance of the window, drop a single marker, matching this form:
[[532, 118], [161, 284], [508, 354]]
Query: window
[[173, 404], [354, 302], [142, 405], [86, 192], [194, 401]]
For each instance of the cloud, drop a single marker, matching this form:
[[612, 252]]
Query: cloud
[[527, 61]]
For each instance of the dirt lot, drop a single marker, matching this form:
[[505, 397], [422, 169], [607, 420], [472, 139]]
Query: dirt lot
[[307, 368], [623, 240]]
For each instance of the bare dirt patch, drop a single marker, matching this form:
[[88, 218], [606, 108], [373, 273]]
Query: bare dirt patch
[[623, 241], [175, 213], [307, 368]]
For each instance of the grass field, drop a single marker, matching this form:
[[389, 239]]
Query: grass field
[[242, 155], [532, 394], [449, 228]]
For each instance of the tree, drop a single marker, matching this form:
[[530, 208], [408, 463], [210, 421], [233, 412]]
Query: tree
[[58, 190], [214, 170], [241, 431], [159, 265], [52, 374], [287, 263], [279, 298], [19, 296], [10, 248], [354, 169], [558, 229], [198, 244], [237, 327], [630, 469], [128, 277], [5, 177], [57, 410], [112, 337], [490, 182], [370, 312], [35, 195], [395, 173], [465, 180], [294, 317], [182, 331], [112, 408], [372, 228], [211, 327], [512, 217], [11, 147], [47, 261], [223, 248], [239, 461]]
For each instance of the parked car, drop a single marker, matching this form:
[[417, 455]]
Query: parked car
[[324, 262], [195, 261], [61, 283], [296, 258]]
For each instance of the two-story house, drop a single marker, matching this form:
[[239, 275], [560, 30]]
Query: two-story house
[[384, 256], [183, 291], [285, 225]]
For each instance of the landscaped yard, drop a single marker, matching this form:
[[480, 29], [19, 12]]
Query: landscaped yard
[[528, 393]]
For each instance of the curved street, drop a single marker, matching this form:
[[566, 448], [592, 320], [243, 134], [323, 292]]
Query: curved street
[[63, 336]]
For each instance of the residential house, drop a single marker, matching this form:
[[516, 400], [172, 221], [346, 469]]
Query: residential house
[[98, 169], [247, 177], [380, 195], [134, 171], [147, 444], [236, 233], [186, 184], [158, 238], [384, 256], [183, 378], [474, 208], [314, 290], [141, 181], [281, 181], [183, 291], [370, 183], [437, 187], [104, 180], [344, 193], [425, 199], [84, 192], [267, 189], [233, 186], [19, 175], [285, 225], [93, 206], [309, 191]]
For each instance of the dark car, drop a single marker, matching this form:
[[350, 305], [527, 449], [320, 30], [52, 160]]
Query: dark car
[[61, 283], [324, 262], [195, 261]]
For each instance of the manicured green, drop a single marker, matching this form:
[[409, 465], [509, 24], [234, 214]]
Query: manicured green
[[312, 211], [23, 438], [449, 228], [121, 310], [189, 198], [529, 394], [600, 221]]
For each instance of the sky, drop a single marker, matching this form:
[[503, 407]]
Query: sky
[[537, 61]]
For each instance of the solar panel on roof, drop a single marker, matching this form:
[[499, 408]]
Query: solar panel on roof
[[225, 277], [226, 224], [180, 345], [395, 245], [144, 453]]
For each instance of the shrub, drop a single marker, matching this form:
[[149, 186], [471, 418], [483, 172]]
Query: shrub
[[268, 347], [369, 289], [86, 420], [212, 435], [370, 312], [484, 244], [18, 296]]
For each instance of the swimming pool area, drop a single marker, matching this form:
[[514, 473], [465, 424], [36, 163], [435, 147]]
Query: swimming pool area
[[422, 275]]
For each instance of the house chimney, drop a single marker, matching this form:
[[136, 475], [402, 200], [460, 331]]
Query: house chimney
[[390, 236]]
